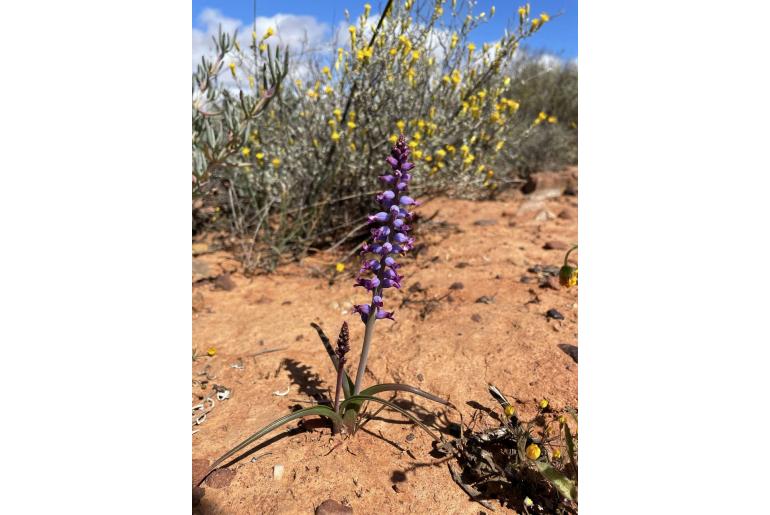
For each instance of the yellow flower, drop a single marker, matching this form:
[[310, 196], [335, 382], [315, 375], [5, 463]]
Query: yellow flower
[[326, 71], [400, 124], [352, 30], [557, 453], [337, 113], [276, 162], [552, 119], [441, 153], [455, 38], [568, 276], [352, 125], [562, 419], [471, 47], [232, 69], [545, 17], [328, 90], [212, 352], [533, 451], [417, 154], [335, 136], [393, 138], [245, 151], [251, 81], [268, 33], [340, 267], [506, 81], [543, 403], [536, 23], [392, 51], [416, 55], [509, 411], [456, 77], [260, 156], [528, 502], [451, 149], [492, 11], [367, 10], [465, 149], [262, 47], [468, 160]]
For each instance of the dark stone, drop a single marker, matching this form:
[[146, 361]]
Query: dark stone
[[552, 313], [555, 245], [332, 507], [456, 286]]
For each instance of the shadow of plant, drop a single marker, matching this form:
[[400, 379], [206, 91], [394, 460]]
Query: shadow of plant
[[309, 382]]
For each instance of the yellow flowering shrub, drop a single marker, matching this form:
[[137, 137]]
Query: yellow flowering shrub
[[453, 98]]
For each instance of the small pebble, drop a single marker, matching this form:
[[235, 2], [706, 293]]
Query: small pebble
[[456, 286], [278, 472], [552, 313], [332, 507]]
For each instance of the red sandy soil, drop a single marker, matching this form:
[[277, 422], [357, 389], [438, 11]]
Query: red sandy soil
[[459, 347]]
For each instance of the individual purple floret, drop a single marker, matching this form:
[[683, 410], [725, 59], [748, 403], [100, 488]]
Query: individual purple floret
[[390, 233]]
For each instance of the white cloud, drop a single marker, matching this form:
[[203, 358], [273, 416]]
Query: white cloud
[[290, 30]]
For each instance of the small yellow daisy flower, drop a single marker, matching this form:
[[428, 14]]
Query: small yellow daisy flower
[[339, 267], [533, 451], [509, 411], [212, 352], [276, 162], [245, 151], [543, 404]]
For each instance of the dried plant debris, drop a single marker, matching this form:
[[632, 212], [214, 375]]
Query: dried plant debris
[[520, 464]]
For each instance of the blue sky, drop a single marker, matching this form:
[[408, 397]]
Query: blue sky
[[559, 37]]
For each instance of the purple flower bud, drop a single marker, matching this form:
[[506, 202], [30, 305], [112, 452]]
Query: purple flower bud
[[405, 200], [398, 222], [365, 309], [387, 248], [369, 284], [389, 261], [401, 186], [400, 237], [388, 194], [388, 179], [392, 161], [379, 217], [406, 167], [377, 301], [390, 283]]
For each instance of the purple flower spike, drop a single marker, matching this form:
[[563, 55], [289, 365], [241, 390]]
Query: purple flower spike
[[390, 233]]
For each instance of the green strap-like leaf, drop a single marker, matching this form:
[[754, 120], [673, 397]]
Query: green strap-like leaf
[[565, 487], [358, 399], [323, 411], [570, 445], [395, 387]]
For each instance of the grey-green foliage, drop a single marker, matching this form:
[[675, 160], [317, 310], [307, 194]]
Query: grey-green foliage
[[298, 173]]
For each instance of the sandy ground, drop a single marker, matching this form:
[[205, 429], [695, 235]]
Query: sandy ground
[[452, 348]]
